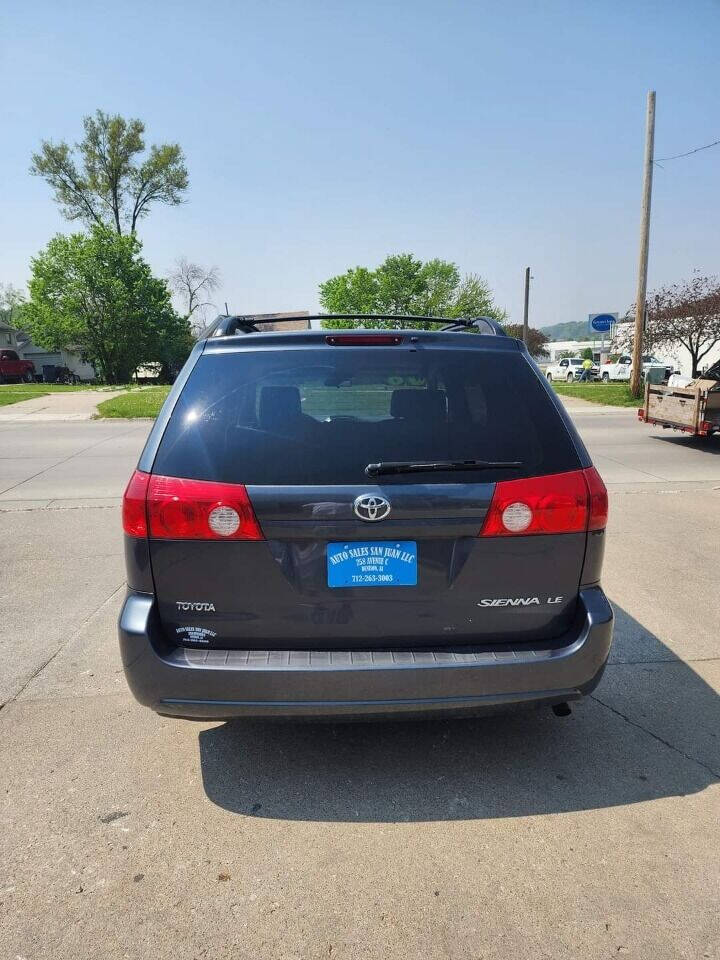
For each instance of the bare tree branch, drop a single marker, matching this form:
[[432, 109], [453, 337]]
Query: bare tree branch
[[685, 314], [191, 282]]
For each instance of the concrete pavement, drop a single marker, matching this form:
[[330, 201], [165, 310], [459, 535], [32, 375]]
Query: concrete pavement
[[123, 834], [70, 405]]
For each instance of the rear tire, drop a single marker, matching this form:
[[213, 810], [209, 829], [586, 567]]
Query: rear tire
[[549, 377], [28, 377], [570, 378], [606, 377]]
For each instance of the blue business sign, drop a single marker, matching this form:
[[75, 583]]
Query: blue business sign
[[602, 322]]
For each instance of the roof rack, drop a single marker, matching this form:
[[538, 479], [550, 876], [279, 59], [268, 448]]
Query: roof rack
[[228, 326]]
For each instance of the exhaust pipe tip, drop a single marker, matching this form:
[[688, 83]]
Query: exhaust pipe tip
[[561, 709]]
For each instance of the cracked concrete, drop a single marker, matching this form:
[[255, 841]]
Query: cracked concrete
[[126, 835]]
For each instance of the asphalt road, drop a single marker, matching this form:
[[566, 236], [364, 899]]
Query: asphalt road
[[125, 835]]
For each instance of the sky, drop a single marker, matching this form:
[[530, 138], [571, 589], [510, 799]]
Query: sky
[[323, 134]]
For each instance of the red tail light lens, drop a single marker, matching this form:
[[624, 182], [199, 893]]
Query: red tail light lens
[[133, 508], [559, 503], [180, 509], [598, 500]]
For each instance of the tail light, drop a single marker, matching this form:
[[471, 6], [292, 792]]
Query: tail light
[[174, 508], [133, 508], [560, 503], [597, 493]]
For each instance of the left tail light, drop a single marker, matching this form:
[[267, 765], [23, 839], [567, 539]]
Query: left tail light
[[175, 508]]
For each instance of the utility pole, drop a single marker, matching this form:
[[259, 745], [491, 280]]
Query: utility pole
[[527, 304], [641, 297]]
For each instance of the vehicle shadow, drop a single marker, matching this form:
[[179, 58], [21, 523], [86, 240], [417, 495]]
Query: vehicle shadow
[[649, 731], [705, 444]]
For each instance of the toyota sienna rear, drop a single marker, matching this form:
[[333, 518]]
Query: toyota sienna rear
[[362, 523]]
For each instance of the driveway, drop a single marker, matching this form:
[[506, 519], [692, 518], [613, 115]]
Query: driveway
[[70, 405], [126, 835]]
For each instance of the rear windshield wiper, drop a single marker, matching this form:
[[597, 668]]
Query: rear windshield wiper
[[387, 467]]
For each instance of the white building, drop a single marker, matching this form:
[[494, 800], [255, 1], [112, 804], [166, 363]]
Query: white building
[[576, 347]]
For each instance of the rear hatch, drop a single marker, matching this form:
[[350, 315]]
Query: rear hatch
[[326, 556]]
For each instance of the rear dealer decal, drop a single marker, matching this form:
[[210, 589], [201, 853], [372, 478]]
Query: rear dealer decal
[[196, 634], [517, 601]]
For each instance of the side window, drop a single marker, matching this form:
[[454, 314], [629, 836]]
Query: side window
[[564, 363]]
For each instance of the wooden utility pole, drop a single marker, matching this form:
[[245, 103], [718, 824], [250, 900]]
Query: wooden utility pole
[[641, 297], [527, 304]]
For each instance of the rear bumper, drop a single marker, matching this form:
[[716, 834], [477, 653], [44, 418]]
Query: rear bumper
[[219, 684]]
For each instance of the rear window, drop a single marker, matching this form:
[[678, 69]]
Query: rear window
[[320, 415]]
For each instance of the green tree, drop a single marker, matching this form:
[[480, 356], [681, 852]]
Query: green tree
[[587, 353], [355, 291], [104, 180], [403, 284], [473, 298], [536, 339], [97, 295]]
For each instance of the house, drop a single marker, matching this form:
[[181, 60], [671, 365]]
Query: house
[[285, 321], [42, 357], [8, 336]]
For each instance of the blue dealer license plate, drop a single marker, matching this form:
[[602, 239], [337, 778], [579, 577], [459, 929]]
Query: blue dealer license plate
[[391, 563]]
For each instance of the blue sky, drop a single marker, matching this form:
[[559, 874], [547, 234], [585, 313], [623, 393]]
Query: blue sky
[[320, 135]]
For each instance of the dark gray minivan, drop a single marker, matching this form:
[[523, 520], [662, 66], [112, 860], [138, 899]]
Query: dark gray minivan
[[356, 522]]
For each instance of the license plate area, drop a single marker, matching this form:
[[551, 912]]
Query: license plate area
[[372, 563]]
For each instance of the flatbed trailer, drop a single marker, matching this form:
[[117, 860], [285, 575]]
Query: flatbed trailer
[[694, 409]]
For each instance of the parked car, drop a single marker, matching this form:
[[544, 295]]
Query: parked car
[[362, 523], [15, 370], [569, 369], [621, 369]]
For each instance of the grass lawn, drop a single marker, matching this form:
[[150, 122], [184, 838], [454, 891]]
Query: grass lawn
[[16, 392], [16, 395], [141, 402], [613, 394]]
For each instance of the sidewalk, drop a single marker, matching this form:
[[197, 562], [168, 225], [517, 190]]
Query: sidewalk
[[73, 405], [577, 405]]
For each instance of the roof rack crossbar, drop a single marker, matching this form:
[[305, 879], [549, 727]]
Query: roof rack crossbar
[[227, 326]]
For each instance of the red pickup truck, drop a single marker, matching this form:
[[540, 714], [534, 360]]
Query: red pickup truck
[[13, 368]]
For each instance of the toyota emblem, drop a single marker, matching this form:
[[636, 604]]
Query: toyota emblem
[[370, 507]]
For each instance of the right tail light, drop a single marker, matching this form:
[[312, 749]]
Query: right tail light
[[570, 502]]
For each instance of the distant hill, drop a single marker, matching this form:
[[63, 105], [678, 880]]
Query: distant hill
[[572, 330]]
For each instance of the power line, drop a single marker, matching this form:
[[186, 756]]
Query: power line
[[677, 156]]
